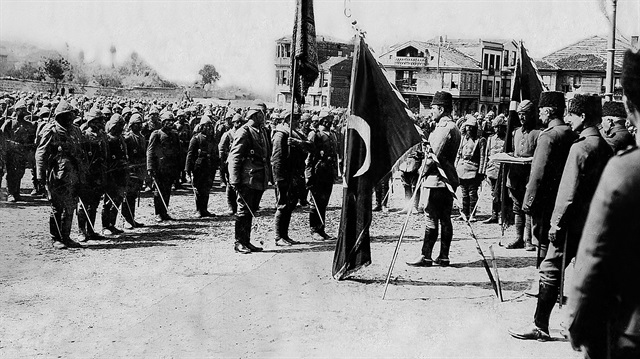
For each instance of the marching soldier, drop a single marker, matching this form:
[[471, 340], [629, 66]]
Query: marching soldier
[[604, 295], [586, 161], [116, 174], [444, 142], [136, 149], [613, 128], [19, 134], [249, 173], [59, 160], [525, 139], [163, 164], [94, 145], [320, 173], [223, 148], [201, 163], [290, 149]]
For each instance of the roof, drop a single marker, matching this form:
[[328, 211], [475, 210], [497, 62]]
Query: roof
[[545, 65], [450, 57], [319, 38], [584, 62], [594, 45], [332, 61]]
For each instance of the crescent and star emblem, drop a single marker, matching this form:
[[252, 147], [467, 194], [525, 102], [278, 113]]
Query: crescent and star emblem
[[364, 131]]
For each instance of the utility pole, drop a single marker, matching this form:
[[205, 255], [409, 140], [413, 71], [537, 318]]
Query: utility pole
[[611, 51]]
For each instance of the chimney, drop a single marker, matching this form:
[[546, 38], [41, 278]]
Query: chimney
[[634, 42]]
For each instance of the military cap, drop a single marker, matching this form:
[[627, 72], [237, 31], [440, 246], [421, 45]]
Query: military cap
[[614, 109], [284, 114], [44, 112], [236, 118], [470, 120], [315, 118], [442, 98], [154, 110], [180, 113], [125, 111], [20, 104], [229, 114], [94, 114], [525, 106], [305, 117], [135, 118], [631, 76], [167, 115], [63, 107], [205, 120], [113, 122], [589, 104], [500, 120], [553, 99], [255, 107], [106, 111], [323, 114]]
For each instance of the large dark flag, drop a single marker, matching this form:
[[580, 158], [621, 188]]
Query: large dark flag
[[379, 132], [304, 52]]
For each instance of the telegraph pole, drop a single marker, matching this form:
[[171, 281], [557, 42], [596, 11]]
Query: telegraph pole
[[611, 51]]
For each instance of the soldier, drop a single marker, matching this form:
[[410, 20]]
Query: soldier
[[305, 128], [152, 122], [19, 134], [115, 175], [185, 134], [59, 160], [249, 173], [613, 128], [94, 145], [136, 150], [444, 142], [290, 148], [525, 139], [585, 163], [320, 172], [548, 162], [201, 163], [495, 145], [604, 295], [223, 148], [470, 166], [163, 164]]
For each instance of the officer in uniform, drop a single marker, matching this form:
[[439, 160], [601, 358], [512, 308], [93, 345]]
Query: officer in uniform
[[495, 145], [604, 295], [19, 134], [320, 172], [94, 145], [470, 166], [586, 161], [290, 148], [163, 164], [60, 161], [249, 173], [444, 141], [136, 150], [223, 149], [613, 128], [548, 162], [115, 174], [201, 163], [525, 140]]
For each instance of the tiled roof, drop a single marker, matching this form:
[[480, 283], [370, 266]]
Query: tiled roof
[[449, 56], [332, 61], [545, 65], [584, 62], [319, 38], [594, 45]]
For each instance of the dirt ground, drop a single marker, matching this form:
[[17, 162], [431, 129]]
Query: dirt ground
[[177, 290]]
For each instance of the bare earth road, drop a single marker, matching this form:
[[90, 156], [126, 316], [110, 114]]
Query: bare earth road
[[177, 290]]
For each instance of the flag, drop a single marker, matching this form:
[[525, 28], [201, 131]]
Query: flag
[[304, 52], [379, 132]]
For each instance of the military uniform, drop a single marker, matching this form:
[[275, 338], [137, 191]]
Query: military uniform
[[223, 149], [249, 174], [115, 175], [185, 135], [409, 177], [136, 150], [163, 163], [202, 160], [495, 145], [60, 162], [470, 166], [19, 135], [618, 137], [320, 173]]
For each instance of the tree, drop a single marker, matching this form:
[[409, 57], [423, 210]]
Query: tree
[[209, 74], [57, 69]]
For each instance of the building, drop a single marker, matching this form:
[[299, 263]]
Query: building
[[420, 69], [582, 66], [331, 87]]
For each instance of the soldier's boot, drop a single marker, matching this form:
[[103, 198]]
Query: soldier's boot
[[66, 222], [547, 297], [240, 237], [492, 219], [232, 202], [247, 234], [282, 229], [83, 225], [519, 224], [445, 245], [466, 203], [204, 204], [428, 242], [528, 245]]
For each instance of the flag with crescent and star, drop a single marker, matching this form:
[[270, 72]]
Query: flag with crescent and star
[[379, 131]]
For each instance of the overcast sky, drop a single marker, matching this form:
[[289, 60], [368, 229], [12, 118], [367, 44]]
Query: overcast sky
[[237, 36]]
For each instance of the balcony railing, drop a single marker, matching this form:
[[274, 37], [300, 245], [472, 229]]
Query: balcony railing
[[411, 61], [405, 87]]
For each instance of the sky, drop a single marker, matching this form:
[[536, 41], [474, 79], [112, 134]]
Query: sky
[[238, 36]]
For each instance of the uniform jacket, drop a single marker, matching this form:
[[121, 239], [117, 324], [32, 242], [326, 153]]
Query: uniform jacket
[[445, 141], [137, 152], [471, 160], [585, 163], [163, 153], [605, 291], [248, 160], [618, 137], [94, 145], [20, 137], [524, 145], [495, 145], [321, 164], [225, 144], [117, 162], [202, 154], [548, 163], [288, 161], [59, 157]]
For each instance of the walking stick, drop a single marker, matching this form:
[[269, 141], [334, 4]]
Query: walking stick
[[53, 214], [84, 208], [564, 266], [495, 269], [402, 231]]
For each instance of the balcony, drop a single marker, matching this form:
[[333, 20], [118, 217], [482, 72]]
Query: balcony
[[404, 86], [410, 61], [283, 61]]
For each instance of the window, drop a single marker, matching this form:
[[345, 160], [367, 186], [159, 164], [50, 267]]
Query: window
[[487, 87], [506, 88], [497, 62], [497, 88], [546, 79], [476, 82], [513, 58], [446, 80], [325, 81], [492, 60], [282, 77], [506, 58], [455, 81], [324, 100], [485, 65], [603, 86], [464, 81]]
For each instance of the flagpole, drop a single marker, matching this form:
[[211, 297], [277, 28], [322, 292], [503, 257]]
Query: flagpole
[[354, 71], [294, 71]]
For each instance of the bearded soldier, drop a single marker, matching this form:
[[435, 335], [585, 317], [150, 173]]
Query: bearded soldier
[[249, 173], [163, 164], [136, 150], [60, 161], [201, 163], [19, 134], [116, 174]]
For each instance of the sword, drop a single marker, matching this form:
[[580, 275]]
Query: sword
[[315, 205], [87, 214], [160, 193]]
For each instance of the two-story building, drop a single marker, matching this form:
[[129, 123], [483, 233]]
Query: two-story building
[[331, 87], [420, 69]]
